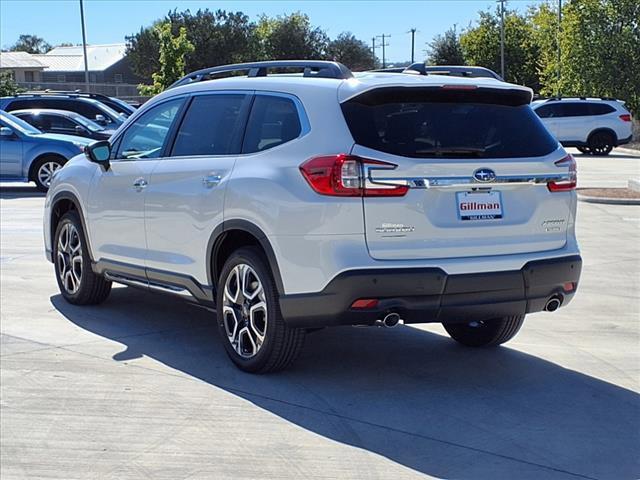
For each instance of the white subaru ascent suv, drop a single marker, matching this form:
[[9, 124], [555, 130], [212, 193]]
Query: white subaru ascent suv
[[295, 201]]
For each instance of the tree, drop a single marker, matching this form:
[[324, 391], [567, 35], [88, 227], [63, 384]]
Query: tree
[[600, 49], [290, 37], [354, 53], [218, 38], [446, 49], [7, 85], [481, 46], [31, 44], [171, 59]]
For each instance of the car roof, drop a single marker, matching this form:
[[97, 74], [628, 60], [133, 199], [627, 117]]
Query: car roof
[[52, 111], [361, 82]]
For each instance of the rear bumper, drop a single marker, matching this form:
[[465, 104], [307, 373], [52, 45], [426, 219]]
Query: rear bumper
[[624, 141], [423, 295]]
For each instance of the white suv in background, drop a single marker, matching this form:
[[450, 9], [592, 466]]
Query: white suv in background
[[593, 125], [297, 201]]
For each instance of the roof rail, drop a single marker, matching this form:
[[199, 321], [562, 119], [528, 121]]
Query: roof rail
[[595, 97], [77, 93], [311, 68]]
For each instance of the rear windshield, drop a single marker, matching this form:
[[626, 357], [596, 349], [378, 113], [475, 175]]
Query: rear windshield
[[450, 125]]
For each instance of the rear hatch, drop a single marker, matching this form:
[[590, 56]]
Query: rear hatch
[[484, 176]]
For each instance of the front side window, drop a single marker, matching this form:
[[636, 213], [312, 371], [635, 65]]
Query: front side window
[[273, 121], [211, 126], [145, 138], [59, 123]]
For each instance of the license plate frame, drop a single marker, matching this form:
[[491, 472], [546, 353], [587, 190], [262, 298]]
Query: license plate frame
[[477, 206]]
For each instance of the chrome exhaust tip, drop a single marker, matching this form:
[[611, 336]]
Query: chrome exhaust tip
[[390, 320], [553, 304]]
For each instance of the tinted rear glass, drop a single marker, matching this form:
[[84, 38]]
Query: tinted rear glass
[[600, 108], [448, 127]]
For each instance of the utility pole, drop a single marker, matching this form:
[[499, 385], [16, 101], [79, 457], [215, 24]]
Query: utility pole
[[373, 50], [559, 31], [84, 47], [501, 2], [384, 44], [413, 43]]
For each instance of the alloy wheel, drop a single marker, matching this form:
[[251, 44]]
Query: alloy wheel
[[46, 171], [69, 258], [244, 310]]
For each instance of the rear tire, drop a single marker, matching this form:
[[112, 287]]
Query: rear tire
[[487, 333], [584, 150], [78, 284], [43, 171], [250, 323], [601, 143]]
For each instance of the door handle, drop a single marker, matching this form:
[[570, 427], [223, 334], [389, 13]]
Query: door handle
[[140, 184], [211, 181]]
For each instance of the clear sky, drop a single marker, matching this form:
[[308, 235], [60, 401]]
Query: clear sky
[[108, 21]]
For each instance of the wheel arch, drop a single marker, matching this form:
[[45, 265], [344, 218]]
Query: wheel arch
[[608, 130], [37, 158], [229, 236], [62, 203]]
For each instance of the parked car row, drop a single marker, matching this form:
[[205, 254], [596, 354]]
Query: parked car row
[[45, 129]]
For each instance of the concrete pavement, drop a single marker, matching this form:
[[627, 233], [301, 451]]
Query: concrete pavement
[[140, 387]]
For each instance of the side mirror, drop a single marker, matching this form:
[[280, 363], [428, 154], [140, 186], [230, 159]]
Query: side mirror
[[99, 152], [101, 119], [6, 132]]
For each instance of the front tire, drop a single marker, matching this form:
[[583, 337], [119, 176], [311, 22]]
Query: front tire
[[44, 169], [78, 284], [250, 323], [486, 333]]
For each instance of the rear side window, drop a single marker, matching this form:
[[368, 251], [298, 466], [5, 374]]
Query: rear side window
[[211, 126], [440, 125], [24, 104], [273, 121], [60, 122], [600, 108], [575, 109]]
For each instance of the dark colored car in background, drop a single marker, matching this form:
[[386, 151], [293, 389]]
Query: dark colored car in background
[[65, 122], [89, 108]]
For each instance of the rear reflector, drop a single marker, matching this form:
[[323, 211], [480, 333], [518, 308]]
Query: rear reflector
[[625, 117], [365, 303], [569, 287], [342, 175], [565, 185]]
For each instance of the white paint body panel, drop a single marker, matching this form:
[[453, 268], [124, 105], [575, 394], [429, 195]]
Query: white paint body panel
[[314, 237]]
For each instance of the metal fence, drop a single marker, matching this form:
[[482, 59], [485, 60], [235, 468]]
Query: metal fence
[[124, 91]]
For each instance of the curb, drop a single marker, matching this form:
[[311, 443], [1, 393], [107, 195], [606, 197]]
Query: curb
[[628, 151], [609, 200]]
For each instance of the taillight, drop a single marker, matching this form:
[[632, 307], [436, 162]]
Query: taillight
[[342, 175], [565, 185], [626, 117]]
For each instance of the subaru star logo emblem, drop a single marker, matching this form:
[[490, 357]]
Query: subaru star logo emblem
[[484, 175]]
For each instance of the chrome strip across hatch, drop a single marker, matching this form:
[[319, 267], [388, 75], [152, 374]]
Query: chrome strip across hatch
[[464, 182]]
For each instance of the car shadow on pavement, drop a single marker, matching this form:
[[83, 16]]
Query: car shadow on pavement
[[411, 396], [22, 191]]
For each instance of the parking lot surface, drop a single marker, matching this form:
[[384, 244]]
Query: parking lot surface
[[140, 387]]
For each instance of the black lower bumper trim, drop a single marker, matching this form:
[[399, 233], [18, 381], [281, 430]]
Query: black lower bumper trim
[[423, 295]]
